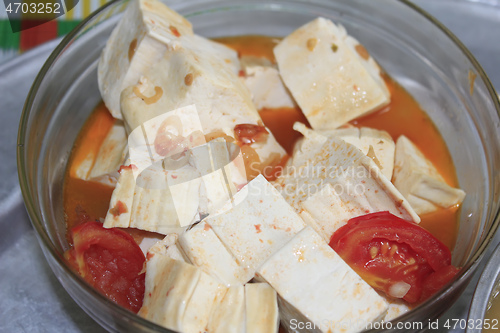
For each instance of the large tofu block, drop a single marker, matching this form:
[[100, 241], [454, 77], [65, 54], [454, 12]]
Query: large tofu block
[[331, 181], [257, 223], [261, 308], [330, 75], [178, 295], [206, 251], [153, 65], [228, 314], [420, 182], [317, 286], [147, 30]]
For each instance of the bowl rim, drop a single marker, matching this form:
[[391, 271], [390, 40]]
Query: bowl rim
[[465, 273], [487, 282]]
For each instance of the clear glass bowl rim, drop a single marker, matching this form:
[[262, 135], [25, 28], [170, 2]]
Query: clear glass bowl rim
[[36, 219]]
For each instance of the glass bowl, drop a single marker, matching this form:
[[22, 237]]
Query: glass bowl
[[420, 53], [487, 288]]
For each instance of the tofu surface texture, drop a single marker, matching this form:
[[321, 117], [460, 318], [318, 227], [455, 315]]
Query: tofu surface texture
[[420, 182], [206, 251], [228, 314], [267, 88], [329, 181], [261, 308], [178, 296], [330, 75], [318, 287], [255, 224], [103, 166], [376, 144]]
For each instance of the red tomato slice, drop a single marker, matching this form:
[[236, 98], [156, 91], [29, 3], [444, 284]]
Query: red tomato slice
[[111, 261], [437, 280], [392, 255]]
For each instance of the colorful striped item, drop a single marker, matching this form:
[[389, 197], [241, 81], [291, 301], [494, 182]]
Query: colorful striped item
[[12, 44]]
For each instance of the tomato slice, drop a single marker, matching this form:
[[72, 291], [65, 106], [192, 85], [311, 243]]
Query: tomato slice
[[111, 261], [437, 280], [395, 256]]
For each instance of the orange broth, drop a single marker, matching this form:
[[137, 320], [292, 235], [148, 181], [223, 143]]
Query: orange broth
[[402, 116]]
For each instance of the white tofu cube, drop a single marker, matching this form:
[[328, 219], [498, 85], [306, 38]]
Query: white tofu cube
[[420, 182], [178, 295], [330, 75], [317, 286], [257, 223]]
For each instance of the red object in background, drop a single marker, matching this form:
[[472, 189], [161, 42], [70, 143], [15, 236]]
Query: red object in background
[[34, 33]]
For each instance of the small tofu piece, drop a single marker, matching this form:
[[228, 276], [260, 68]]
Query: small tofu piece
[[250, 61], [330, 75], [153, 64], [376, 144], [178, 295], [110, 155], [331, 181], [267, 89], [262, 314], [319, 287], [420, 182], [206, 296], [148, 203], [206, 251], [149, 241], [257, 223], [169, 286], [103, 166], [228, 314], [121, 200]]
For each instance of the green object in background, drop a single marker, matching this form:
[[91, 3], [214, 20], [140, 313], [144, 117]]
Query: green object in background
[[63, 27], [8, 39]]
